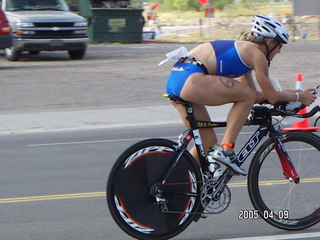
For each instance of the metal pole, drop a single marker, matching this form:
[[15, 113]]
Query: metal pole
[[319, 26], [200, 26]]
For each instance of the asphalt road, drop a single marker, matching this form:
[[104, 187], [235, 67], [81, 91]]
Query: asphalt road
[[53, 187]]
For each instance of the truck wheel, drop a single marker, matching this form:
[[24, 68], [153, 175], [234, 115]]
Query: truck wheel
[[11, 54], [77, 54]]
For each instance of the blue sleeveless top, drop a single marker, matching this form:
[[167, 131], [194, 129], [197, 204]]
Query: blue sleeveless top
[[229, 62]]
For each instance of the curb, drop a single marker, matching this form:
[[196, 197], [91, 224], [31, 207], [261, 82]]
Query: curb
[[95, 119]]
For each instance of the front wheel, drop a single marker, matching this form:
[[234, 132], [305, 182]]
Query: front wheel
[[140, 202], [11, 54], [280, 201], [77, 54]]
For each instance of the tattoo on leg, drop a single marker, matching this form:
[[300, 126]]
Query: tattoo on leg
[[227, 82]]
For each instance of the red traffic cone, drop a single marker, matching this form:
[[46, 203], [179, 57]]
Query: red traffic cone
[[304, 124], [299, 81]]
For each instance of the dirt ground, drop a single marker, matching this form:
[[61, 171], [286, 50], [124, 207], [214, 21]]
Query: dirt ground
[[200, 29]]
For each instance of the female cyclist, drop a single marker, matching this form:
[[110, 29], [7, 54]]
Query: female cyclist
[[206, 77]]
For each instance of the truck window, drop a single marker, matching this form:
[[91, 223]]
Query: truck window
[[22, 5]]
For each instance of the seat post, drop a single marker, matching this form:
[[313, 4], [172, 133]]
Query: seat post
[[189, 110], [190, 116]]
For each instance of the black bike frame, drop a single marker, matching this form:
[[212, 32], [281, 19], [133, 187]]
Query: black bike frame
[[194, 134], [265, 126], [261, 132]]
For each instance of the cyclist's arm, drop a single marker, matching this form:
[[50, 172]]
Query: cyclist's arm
[[292, 90], [272, 95]]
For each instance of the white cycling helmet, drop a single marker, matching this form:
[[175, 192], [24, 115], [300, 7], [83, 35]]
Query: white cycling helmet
[[270, 28]]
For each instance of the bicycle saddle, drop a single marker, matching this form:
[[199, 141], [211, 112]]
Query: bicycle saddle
[[176, 99]]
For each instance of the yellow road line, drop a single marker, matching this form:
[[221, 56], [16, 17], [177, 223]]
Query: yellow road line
[[52, 197], [103, 194], [274, 182]]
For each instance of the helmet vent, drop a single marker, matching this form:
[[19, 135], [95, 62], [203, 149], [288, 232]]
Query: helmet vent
[[269, 28]]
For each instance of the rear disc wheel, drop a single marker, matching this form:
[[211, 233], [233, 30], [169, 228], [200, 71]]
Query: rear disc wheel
[[134, 181]]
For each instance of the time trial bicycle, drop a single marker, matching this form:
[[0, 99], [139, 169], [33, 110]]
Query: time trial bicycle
[[156, 189]]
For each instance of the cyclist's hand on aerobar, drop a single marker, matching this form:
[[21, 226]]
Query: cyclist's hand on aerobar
[[307, 97]]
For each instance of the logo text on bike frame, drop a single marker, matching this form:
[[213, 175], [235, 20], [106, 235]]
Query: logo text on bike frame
[[252, 143]]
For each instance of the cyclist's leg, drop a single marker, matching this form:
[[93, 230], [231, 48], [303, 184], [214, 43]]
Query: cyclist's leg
[[216, 90], [208, 135]]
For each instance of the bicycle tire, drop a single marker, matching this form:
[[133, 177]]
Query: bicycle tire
[[281, 203], [128, 190]]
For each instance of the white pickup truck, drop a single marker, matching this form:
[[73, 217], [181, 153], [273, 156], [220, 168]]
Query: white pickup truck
[[44, 25]]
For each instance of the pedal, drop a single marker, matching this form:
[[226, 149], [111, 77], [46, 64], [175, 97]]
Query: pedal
[[200, 214]]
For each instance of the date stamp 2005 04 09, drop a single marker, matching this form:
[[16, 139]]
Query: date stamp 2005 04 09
[[254, 214]]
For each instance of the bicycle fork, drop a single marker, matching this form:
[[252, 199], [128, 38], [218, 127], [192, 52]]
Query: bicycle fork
[[289, 170]]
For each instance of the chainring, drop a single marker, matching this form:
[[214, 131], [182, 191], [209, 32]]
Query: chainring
[[213, 202]]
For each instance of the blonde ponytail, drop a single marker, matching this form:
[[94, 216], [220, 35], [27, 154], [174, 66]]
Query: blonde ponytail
[[248, 36]]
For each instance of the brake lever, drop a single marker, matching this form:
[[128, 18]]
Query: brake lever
[[315, 91]]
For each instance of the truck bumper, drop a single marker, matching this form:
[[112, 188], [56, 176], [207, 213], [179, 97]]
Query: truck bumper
[[49, 44]]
